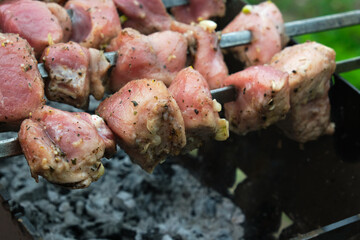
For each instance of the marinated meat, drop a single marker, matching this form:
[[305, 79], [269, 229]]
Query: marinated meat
[[146, 120], [267, 28], [171, 49], [68, 68], [64, 19], [33, 21], [95, 22], [74, 73], [62, 147], [208, 59], [310, 66], [200, 112], [146, 16], [99, 67], [198, 10], [139, 58], [263, 98], [21, 86]]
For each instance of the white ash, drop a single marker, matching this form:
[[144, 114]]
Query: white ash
[[126, 203]]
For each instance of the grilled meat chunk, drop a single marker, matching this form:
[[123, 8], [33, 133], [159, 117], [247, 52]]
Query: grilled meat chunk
[[139, 58], [99, 67], [74, 73], [146, 16], [21, 86], [171, 49], [263, 98], [310, 66], [198, 10], [63, 147], [146, 120], [68, 68], [200, 112], [208, 58], [64, 19], [267, 28], [95, 22], [33, 21]]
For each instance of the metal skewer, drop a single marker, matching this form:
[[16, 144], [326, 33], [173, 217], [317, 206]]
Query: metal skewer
[[174, 3], [11, 147], [296, 28]]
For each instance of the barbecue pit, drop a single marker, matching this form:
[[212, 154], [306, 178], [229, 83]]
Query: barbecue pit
[[263, 196]]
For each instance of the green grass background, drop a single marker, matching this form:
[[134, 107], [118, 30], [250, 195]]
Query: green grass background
[[345, 41]]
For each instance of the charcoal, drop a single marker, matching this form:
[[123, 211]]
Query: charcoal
[[126, 203]]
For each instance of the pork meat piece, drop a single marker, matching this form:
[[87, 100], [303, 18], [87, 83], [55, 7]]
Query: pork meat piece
[[69, 80], [267, 28], [146, 120], [64, 19], [74, 73], [146, 16], [171, 50], [95, 22], [198, 10], [21, 86], [33, 21], [310, 66], [138, 58], [263, 98], [208, 58], [65, 148], [99, 68], [199, 110]]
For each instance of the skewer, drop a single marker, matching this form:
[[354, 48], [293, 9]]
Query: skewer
[[174, 3], [11, 147], [296, 28]]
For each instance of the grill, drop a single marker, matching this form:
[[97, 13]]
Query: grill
[[313, 184]]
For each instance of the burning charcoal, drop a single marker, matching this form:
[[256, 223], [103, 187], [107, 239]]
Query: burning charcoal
[[79, 207], [124, 200], [71, 219], [65, 207]]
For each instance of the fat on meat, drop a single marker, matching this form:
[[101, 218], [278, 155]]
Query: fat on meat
[[310, 66], [33, 21], [198, 10], [208, 58], [268, 33], [146, 121], [263, 98], [64, 19], [65, 148], [146, 16], [69, 80], [21, 86], [95, 22], [138, 58], [199, 110]]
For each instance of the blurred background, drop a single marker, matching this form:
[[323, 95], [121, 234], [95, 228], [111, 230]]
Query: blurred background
[[346, 41]]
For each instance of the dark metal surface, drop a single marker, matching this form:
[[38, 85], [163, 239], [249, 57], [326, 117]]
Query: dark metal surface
[[174, 3], [10, 147], [12, 227], [348, 65], [224, 94]]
